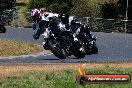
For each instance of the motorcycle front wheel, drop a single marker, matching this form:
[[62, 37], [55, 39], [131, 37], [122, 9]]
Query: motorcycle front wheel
[[87, 49], [56, 49]]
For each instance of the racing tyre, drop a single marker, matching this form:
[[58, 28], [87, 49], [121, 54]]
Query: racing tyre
[[87, 50], [56, 49], [79, 54]]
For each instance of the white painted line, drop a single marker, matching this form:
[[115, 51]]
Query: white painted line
[[31, 55], [43, 53]]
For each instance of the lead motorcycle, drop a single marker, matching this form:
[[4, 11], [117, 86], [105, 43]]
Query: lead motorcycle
[[87, 39], [62, 43]]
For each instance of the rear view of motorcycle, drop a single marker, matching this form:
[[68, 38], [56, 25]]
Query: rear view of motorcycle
[[88, 40], [62, 43], [91, 42]]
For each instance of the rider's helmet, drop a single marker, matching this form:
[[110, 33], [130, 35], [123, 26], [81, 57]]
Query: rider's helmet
[[35, 14], [64, 16]]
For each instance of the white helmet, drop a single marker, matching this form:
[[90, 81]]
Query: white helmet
[[35, 12]]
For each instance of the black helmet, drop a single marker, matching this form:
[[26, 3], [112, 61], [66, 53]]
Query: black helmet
[[64, 16]]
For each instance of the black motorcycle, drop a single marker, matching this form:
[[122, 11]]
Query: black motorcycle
[[74, 47], [94, 48], [2, 28], [86, 42], [87, 39], [62, 43]]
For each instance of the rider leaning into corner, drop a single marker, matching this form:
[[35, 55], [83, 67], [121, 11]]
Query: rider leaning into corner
[[71, 23], [41, 20], [38, 26], [64, 23]]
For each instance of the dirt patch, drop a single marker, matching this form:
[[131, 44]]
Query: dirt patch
[[8, 69], [14, 48]]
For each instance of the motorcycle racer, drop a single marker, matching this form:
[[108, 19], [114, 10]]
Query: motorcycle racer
[[36, 16], [71, 23], [41, 19]]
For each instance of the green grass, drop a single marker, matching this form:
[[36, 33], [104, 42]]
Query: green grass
[[60, 79]]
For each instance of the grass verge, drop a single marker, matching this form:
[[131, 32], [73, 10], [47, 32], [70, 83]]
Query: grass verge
[[50, 76], [14, 48]]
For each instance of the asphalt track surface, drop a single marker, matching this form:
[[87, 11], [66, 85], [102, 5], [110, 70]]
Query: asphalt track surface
[[113, 47]]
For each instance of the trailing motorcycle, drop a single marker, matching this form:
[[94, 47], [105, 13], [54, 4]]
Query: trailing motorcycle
[[89, 44], [94, 48], [87, 39], [52, 43]]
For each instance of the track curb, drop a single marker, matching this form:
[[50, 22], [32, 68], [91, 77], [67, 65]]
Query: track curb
[[43, 53]]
